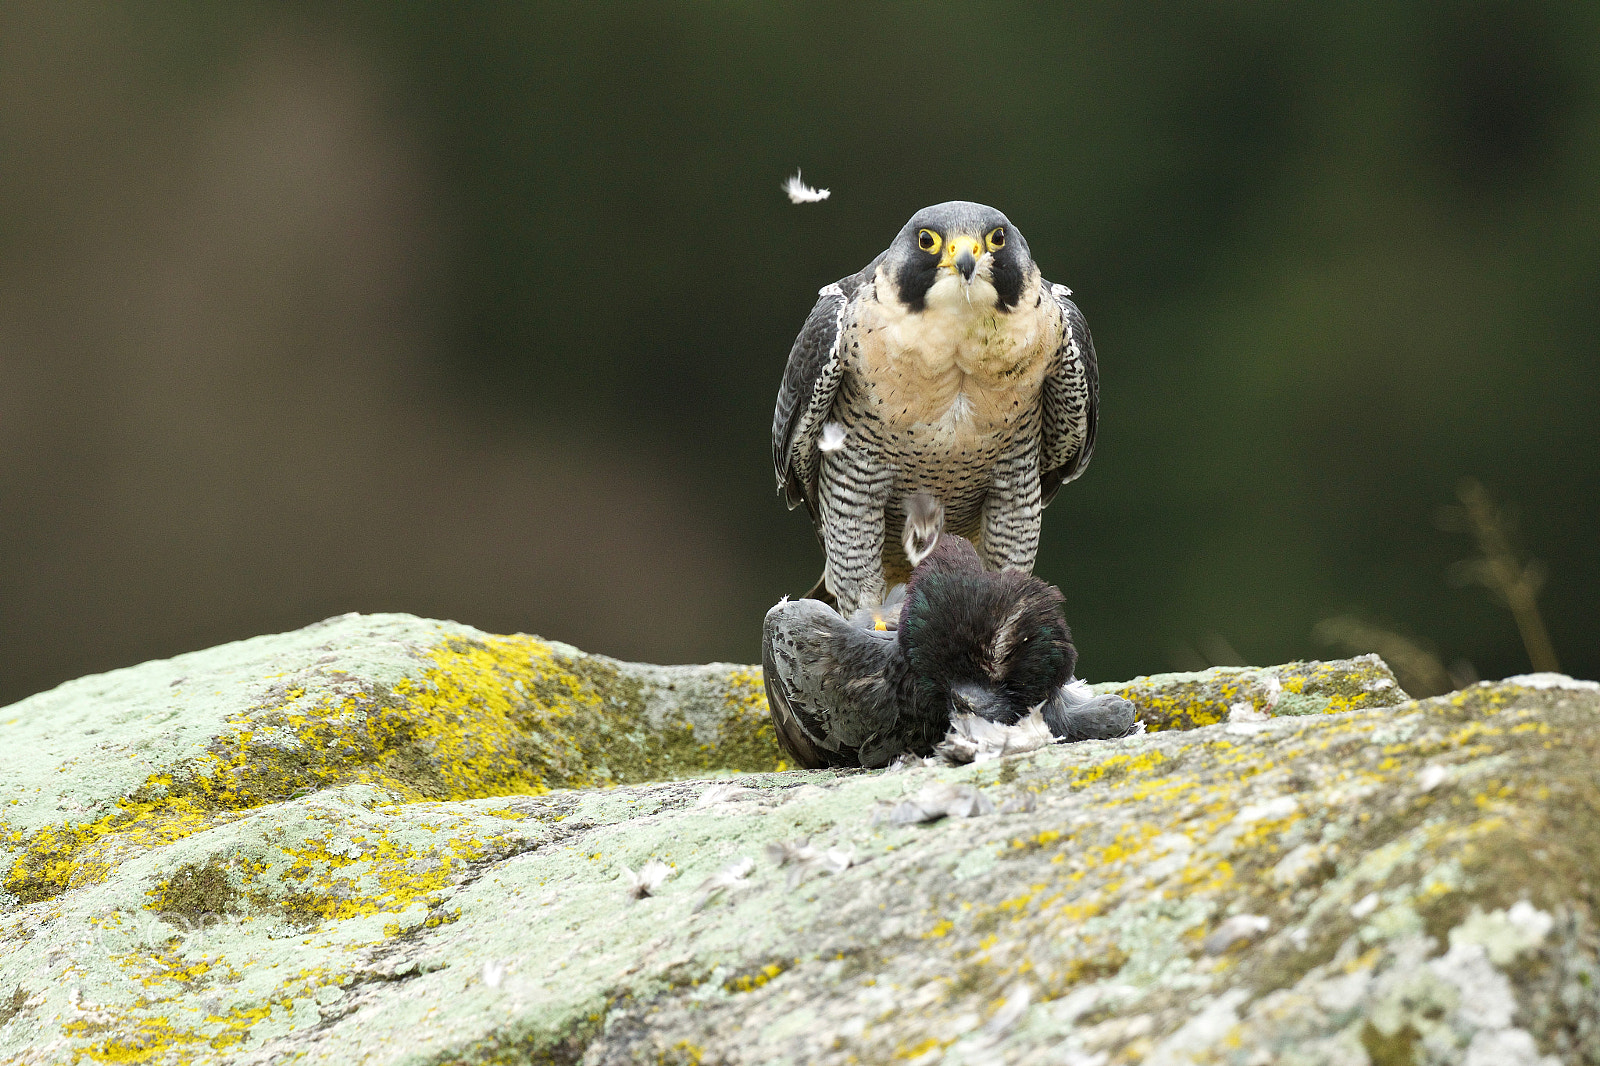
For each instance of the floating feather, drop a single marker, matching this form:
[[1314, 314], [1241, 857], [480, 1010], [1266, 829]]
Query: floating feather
[[801, 193]]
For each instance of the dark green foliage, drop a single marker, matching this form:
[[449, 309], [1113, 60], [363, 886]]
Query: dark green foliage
[[1331, 256]]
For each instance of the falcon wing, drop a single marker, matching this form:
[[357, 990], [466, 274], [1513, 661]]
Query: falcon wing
[[810, 381], [1071, 400], [833, 688]]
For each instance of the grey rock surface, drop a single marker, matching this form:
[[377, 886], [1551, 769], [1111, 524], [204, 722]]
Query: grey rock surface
[[341, 846]]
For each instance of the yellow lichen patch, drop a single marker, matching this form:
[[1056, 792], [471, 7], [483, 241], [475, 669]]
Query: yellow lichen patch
[[500, 716], [1188, 701], [168, 967], [132, 1039], [921, 1048], [1043, 838], [749, 982], [746, 739], [385, 879], [236, 1024], [1342, 686], [1182, 709], [1129, 841], [1088, 964], [684, 1053], [66, 856], [1117, 766]]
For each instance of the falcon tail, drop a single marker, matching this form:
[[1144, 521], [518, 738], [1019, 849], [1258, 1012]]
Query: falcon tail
[[819, 591]]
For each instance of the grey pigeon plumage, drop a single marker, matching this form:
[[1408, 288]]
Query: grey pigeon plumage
[[969, 645]]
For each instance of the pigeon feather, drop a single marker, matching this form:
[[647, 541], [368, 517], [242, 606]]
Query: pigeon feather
[[801, 193]]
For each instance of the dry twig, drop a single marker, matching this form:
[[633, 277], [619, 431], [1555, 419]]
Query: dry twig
[[1498, 569]]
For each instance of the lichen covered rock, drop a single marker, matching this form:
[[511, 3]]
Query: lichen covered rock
[[103, 767], [390, 840], [1184, 701]]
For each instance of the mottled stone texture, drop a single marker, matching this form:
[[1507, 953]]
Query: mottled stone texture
[[385, 839]]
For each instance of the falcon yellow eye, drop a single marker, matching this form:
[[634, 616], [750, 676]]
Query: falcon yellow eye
[[997, 238], [928, 241]]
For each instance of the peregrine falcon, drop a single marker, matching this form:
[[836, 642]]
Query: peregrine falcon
[[947, 364], [969, 642]]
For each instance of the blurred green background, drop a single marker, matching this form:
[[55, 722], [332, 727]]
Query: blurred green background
[[478, 310]]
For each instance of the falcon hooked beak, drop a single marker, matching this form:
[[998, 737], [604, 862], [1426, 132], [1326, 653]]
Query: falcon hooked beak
[[961, 255]]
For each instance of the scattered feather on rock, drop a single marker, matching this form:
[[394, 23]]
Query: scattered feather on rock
[[974, 740], [649, 878], [731, 877], [1240, 929], [801, 193], [724, 793], [803, 860], [936, 800]]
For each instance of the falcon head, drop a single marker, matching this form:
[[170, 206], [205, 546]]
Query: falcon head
[[991, 644], [959, 255]]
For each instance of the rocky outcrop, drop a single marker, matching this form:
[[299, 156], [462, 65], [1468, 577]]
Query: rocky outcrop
[[384, 839]]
